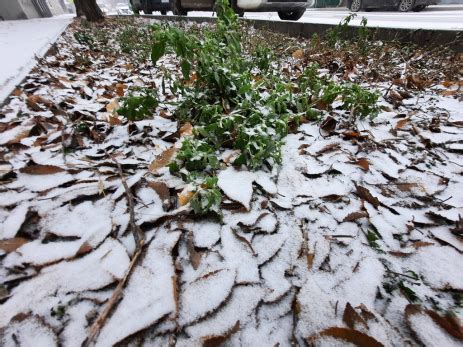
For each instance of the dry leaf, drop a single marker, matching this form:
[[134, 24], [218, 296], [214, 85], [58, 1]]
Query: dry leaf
[[363, 163], [419, 244], [449, 92], [329, 125], [350, 335], [186, 129], [33, 102], [120, 87], [216, 341], [351, 217], [41, 170], [401, 123], [298, 54], [184, 197], [163, 159], [310, 258], [84, 249], [450, 324], [351, 317], [195, 257], [113, 120], [161, 189], [329, 148], [112, 106], [13, 244], [365, 194]]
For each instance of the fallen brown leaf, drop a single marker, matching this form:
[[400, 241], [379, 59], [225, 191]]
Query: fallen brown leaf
[[216, 341], [365, 194], [163, 159], [351, 317], [195, 257], [13, 244], [186, 129], [350, 335], [41, 170], [298, 54], [161, 189], [351, 217], [363, 163]]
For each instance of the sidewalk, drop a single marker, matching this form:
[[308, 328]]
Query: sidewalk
[[21, 41]]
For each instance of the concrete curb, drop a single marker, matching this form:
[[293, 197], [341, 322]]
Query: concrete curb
[[21, 78], [421, 37]]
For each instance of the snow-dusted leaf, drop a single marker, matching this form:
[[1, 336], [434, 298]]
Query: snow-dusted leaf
[[101, 268], [11, 245], [205, 295], [149, 294], [237, 185], [344, 335], [28, 331], [14, 221]]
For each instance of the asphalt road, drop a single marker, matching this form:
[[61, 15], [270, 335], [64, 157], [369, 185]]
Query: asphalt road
[[441, 17]]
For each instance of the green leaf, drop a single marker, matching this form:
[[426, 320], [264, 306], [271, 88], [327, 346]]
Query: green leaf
[[158, 50]]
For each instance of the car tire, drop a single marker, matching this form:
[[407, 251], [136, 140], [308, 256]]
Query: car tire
[[235, 8], [163, 12], [177, 8], [406, 5], [292, 14], [355, 5]]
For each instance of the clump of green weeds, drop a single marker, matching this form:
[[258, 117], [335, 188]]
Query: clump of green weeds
[[135, 41], [236, 101], [136, 107]]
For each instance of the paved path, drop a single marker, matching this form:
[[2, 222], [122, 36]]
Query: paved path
[[444, 17], [20, 42]]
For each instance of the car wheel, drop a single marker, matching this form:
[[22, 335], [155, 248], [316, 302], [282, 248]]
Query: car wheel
[[235, 8], [163, 12], [355, 5], [292, 14], [177, 8], [406, 5], [419, 8]]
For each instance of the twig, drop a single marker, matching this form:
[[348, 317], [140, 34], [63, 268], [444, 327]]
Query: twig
[[99, 322], [139, 243], [136, 231]]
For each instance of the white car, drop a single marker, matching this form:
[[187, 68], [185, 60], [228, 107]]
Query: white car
[[123, 9], [287, 10]]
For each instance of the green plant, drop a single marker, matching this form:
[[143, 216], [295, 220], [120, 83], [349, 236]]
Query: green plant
[[235, 100], [207, 197], [135, 107], [85, 39], [334, 36]]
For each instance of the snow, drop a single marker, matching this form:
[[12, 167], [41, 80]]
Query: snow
[[94, 271], [29, 332], [205, 295], [21, 41], [285, 266], [237, 185], [13, 222], [149, 295]]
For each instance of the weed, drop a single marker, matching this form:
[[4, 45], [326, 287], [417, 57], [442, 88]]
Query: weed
[[136, 107], [230, 107], [207, 197]]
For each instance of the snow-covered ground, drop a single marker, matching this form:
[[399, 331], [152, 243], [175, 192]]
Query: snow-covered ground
[[434, 17], [20, 42], [355, 237]]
